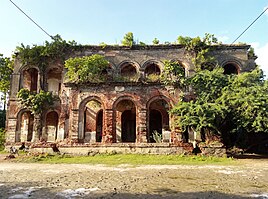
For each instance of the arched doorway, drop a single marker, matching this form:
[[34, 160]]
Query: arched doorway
[[158, 121], [125, 121], [25, 127], [92, 122], [52, 120], [155, 123], [128, 122]]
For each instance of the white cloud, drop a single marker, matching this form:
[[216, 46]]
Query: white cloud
[[262, 53]]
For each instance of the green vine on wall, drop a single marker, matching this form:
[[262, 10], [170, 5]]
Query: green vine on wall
[[86, 69], [198, 49], [41, 55], [173, 74], [35, 102]]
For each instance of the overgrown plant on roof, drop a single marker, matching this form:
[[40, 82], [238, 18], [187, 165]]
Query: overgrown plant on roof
[[86, 69], [198, 49], [41, 55]]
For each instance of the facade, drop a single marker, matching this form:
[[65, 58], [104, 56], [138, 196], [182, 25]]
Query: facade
[[127, 108]]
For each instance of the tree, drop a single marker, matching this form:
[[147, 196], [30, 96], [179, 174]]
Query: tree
[[128, 40], [155, 41], [225, 104], [6, 69], [203, 111]]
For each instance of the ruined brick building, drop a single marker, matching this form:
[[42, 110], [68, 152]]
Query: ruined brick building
[[114, 111]]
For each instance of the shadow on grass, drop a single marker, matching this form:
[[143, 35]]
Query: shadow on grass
[[250, 156], [32, 190]]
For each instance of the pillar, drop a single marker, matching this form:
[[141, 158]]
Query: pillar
[[141, 126]]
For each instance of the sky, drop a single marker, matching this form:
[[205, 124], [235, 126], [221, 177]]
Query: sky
[[96, 21]]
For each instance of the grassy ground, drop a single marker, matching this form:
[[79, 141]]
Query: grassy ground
[[131, 159]]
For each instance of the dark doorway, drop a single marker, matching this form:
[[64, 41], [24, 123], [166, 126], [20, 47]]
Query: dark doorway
[[155, 124], [99, 126], [128, 122]]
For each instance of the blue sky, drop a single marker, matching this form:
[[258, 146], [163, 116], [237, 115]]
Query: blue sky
[[96, 21]]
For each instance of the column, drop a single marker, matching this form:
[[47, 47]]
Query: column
[[141, 126], [107, 136], [75, 131], [37, 128]]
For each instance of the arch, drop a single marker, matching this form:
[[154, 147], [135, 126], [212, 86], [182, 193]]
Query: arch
[[125, 119], [183, 65], [89, 119], [152, 71], [155, 123], [30, 79], [158, 117], [54, 78], [231, 67], [24, 128], [51, 127], [129, 71], [153, 61]]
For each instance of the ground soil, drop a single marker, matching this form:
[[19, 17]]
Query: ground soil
[[248, 179]]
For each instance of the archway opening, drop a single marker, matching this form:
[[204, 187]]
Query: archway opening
[[158, 121], [155, 124], [54, 80], [93, 122], [99, 126], [52, 120], [128, 121], [30, 79], [25, 131], [125, 121], [152, 72], [230, 69], [128, 72]]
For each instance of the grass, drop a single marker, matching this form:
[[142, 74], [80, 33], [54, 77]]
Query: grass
[[130, 159]]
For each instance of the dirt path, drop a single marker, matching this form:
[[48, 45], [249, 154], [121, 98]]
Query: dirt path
[[23, 180]]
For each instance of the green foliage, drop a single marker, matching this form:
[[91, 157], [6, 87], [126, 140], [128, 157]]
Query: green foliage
[[86, 69], [142, 43], [241, 99], [207, 85], [35, 102], [6, 69], [2, 139], [251, 52], [103, 45], [198, 49], [153, 78], [155, 41], [247, 101], [173, 74], [128, 40], [157, 137], [40, 55]]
